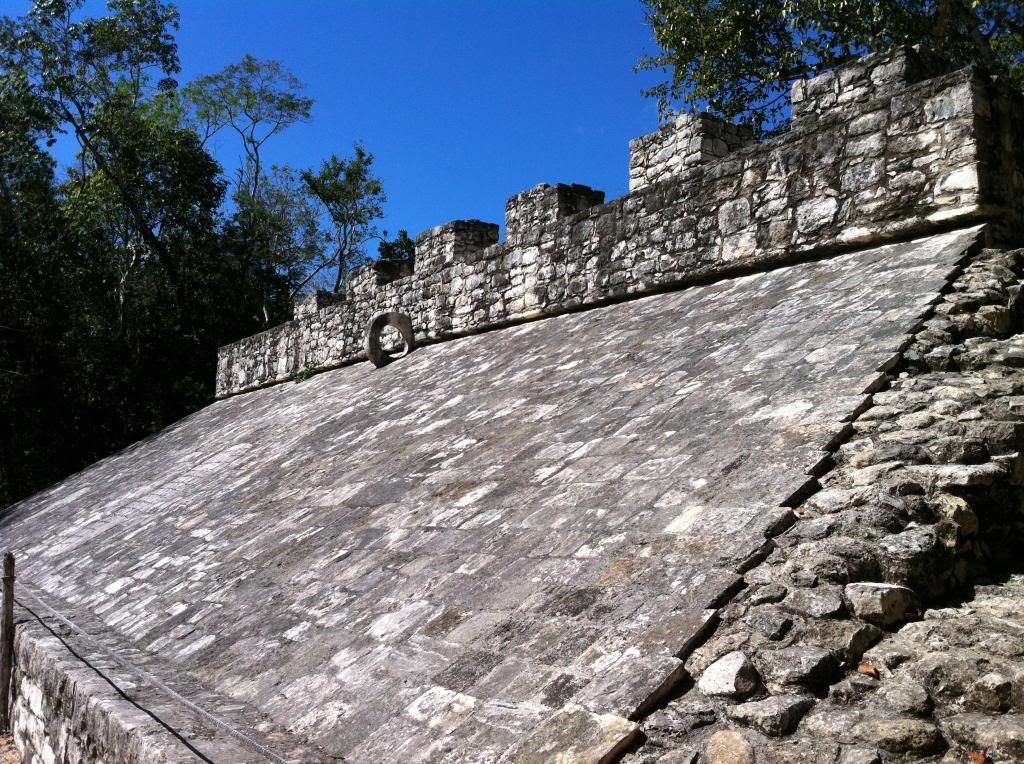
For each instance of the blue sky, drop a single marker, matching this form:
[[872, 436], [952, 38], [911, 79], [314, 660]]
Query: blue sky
[[462, 103]]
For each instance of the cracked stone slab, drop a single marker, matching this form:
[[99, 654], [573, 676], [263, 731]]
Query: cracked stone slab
[[576, 735]]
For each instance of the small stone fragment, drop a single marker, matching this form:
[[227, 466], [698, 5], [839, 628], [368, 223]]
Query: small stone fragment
[[878, 603], [729, 747], [798, 665], [775, 716], [856, 755], [731, 676], [992, 692], [904, 697], [900, 735]]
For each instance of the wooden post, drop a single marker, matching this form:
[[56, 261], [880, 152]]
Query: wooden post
[[7, 643]]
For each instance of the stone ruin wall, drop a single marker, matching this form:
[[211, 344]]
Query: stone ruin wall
[[878, 150], [884, 148]]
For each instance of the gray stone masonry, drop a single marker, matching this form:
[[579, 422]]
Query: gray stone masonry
[[680, 149], [924, 496], [498, 548], [886, 155], [860, 81], [709, 523], [72, 703], [527, 214], [316, 301]]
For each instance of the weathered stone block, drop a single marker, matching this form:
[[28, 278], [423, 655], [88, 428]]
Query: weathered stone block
[[731, 676], [315, 301], [527, 213], [681, 147], [880, 604], [460, 241], [774, 716], [875, 76]]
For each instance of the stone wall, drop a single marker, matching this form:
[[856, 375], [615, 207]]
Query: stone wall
[[72, 704], [681, 148], [922, 497], [62, 712], [873, 155]]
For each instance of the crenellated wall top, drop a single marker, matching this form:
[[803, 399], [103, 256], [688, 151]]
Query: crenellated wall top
[[887, 146]]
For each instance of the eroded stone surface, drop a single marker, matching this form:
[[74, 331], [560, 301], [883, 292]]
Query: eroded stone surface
[[924, 495], [881, 604], [442, 555]]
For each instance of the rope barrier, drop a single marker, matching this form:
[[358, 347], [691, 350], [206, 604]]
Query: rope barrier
[[241, 737]]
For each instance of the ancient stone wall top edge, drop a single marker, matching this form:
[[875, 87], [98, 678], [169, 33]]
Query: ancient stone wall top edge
[[888, 146]]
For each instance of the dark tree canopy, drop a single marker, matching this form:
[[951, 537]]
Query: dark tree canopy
[[737, 58], [351, 200], [121, 274], [402, 249]]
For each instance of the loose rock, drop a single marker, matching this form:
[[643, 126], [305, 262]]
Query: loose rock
[[900, 735], [729, 747], [773, 716], [798, 665], [731, 676], [880, 604]]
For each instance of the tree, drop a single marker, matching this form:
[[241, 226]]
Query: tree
[[351, 199], [87, 73], [118, 283], [120, 279], [274, 226], [737, 58], [278, 234], [402, 249], [255, 99], [34, 259]]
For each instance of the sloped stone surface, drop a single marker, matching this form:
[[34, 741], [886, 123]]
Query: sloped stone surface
[[443, 555], [925, 492]]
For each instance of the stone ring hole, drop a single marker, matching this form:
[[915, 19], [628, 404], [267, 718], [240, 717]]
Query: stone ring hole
[[389, 336]]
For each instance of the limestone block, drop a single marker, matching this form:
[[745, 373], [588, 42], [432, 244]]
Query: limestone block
[[774, 716], [459, 241], [729, 747], [528, 212], [878, 603], [681, 146], [731, 676], [575, 735]]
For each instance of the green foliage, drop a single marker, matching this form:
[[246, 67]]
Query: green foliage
[[737, 58], [119, 281], [256, 100], [402, 249], [351, 199]]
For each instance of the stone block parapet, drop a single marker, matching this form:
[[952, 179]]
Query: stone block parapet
[[528, 214], [315, 301], [455, 243], [682, 147], [878, 162], [878, 75]]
